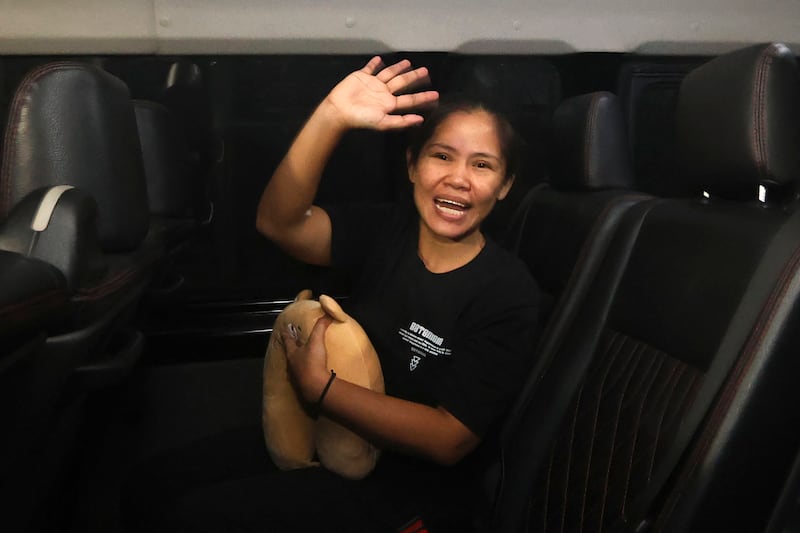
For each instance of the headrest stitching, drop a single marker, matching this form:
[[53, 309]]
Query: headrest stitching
[[11, 126], [590, 127], [760, 115]]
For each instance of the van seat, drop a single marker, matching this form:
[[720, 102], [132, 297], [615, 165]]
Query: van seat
[[683, 342]]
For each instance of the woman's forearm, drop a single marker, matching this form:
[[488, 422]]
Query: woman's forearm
[[398, 424], [390, 422]]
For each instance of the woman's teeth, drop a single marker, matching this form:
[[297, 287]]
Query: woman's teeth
[[450, 207]]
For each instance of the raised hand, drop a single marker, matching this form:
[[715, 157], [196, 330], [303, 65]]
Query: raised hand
[[373, 97]]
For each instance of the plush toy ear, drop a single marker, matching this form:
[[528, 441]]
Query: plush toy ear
[[305, 294], [332, 308]]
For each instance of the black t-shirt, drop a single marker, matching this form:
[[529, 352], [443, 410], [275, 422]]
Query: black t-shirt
[[463, 339]]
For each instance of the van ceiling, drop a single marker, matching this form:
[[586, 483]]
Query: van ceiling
[[678, 27]]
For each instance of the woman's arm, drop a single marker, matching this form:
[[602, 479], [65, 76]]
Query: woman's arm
[[391, 422], [366, 98]]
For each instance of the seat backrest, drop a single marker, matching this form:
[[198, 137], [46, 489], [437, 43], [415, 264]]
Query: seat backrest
[[72, 194], [742, 452], [166, 161], [73, 124], [563, 227], [561, 223], [684, 294]]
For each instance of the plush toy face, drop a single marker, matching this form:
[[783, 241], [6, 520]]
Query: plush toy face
[[292, 435]]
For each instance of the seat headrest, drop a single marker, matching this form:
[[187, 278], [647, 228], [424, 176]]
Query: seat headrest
[[165, 160], [73, 124], [185, 75], [591, 145], [738, 123]]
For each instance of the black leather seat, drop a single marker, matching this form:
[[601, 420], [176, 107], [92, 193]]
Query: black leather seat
[[186, 94], [678, 362], [33, 297], [168, 173], [72, 150], [563, 227]]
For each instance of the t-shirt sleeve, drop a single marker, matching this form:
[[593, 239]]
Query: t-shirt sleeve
[[494, 353]]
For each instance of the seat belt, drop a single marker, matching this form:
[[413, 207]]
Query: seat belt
[[780, 262]]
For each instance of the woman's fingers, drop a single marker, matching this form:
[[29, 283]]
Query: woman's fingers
[[373, 65], [379, 97], [408, 80], [291, 336], [399, 120], [317, 337], [415, 100], [399, 76], [392, 71]]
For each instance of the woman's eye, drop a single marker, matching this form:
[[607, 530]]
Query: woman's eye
[[441, 156], [483, 164]]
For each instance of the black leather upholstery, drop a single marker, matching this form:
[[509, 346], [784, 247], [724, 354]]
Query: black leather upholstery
[[33, 295], [736, 122], [186, 96], [559, 222], [565, 229], [676, 362], [69, 243], [165, 161], [167, 170], [72, 123], [590, 144]]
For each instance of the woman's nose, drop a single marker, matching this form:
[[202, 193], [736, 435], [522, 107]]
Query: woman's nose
[[459, 177]]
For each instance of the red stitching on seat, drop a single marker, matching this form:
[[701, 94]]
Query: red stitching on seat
[[760, 115], [19, 101], [35, 302], [590, 128], [649, 388], [609, 363]]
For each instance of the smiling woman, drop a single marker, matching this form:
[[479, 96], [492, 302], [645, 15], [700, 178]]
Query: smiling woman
[[459, 174], [667, 290], [451, 314]]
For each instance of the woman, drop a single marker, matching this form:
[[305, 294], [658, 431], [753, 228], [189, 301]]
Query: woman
[[450, 313]]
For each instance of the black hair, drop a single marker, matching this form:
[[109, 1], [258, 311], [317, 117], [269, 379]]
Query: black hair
[[507, 136]]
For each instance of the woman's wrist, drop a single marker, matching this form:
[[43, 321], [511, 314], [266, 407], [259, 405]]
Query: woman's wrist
[[331, 117], [314, 384], [325, 389]]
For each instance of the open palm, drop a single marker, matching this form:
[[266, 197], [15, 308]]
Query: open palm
[[368, 98]]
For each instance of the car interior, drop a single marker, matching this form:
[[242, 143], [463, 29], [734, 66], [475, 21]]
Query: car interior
[[657, 209]]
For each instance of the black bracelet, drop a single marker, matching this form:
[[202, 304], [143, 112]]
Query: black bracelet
[[325, 391]]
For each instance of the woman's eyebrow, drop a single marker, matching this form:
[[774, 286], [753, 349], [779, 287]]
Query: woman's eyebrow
[[444, 146]]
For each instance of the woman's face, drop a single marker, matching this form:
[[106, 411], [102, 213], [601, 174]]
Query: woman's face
[[459, 175]]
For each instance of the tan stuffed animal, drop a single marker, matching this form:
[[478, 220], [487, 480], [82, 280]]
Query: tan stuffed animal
[[291, 433]]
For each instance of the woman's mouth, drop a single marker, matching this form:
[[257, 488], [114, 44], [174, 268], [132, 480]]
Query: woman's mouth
[[450, 207]]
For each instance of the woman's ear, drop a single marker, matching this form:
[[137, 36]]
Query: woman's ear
[[410, 167], [505, 187]]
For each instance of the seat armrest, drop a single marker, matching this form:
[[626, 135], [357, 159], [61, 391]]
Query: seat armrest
[[56, 225]]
